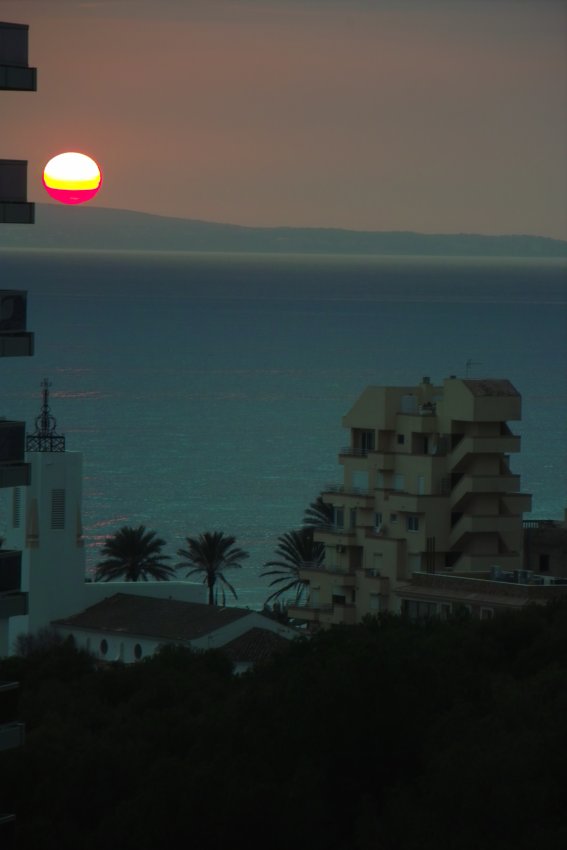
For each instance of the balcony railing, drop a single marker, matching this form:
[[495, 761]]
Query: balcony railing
[[348, 491], [333, 529], [352, 451], [468, 445], [13, 604], [10, 570]]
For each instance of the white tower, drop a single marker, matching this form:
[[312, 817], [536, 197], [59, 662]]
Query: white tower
[[46, 526]]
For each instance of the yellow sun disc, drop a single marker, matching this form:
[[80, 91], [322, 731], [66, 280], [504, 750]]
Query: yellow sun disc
[[72, 177]]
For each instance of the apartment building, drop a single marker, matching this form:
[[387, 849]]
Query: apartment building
[[428, 518], [15, 341], [15, 75]]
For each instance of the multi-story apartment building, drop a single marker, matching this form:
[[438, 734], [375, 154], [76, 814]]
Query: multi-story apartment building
[[429, 514], [15, 75], [15, 340]]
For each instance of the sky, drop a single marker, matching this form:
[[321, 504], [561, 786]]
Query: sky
[[440, 116]]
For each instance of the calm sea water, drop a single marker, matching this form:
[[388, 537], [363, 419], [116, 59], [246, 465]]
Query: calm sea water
[[206, 392]]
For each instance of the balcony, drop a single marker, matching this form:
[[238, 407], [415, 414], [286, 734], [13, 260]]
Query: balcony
[[12, 442], [17, 212], [469, 485], [15, 474], [359, 492], [13, 604], [15, 78], [399, 500], [10, 570], [15, 74], [504, 444], [324, 614], [352, 451], [307, 572], [332, 535], [14, 205], [491, 524]]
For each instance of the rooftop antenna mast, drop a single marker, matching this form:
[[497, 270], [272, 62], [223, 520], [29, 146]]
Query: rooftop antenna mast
[[469, 364], [45, 438]]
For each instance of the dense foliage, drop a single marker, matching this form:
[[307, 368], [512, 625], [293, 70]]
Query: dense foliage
[[383, 736]]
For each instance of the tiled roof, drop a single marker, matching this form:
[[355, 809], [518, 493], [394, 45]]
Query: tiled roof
[[255, 645], [148, 616], [491, 387]]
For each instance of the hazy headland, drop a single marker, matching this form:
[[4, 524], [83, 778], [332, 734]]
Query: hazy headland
[[97, 228]]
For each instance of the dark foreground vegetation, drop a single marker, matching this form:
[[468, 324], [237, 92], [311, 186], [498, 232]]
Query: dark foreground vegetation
[[383, 736]]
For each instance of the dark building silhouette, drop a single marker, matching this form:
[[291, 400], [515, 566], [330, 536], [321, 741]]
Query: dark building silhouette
[[15, 340], [15, 75]]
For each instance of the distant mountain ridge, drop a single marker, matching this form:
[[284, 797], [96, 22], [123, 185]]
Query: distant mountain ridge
[[98, 228]]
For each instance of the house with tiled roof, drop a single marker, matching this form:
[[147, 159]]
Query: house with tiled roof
[[127, 627]]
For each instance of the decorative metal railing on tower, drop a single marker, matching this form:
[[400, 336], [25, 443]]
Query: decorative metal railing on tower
[[45, 438]]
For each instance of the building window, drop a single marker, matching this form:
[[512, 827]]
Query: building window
[[377, 521], [374, 601], [399, 482], [58, 508], [486, 613], [339, 517], [103, 647], [417, 610], [414, 562], [393, 517], [353, 517], [366, 441], [412, 523], [17, 507], [138, 652], [544, 563], [445, 610], [400, 439]]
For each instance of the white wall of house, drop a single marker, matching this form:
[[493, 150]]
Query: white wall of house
[[112, 647], [128, 648]]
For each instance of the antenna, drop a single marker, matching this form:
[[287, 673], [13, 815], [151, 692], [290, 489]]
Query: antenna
[[469, 364]]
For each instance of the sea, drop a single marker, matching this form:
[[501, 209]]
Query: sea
[[206, 392]]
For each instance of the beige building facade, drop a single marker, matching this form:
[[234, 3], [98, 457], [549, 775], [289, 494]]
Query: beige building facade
[[427, 492]]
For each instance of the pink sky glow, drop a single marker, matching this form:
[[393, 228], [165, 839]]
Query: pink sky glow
[[437, 117]]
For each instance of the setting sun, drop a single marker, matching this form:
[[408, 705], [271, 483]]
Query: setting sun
[[72, 178]]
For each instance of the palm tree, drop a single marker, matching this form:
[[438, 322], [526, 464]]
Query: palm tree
[[210, 554], [296, 549], [318, 513], [133, 554]]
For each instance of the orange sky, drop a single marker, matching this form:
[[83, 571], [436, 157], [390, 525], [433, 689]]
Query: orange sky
[[437, 116]]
